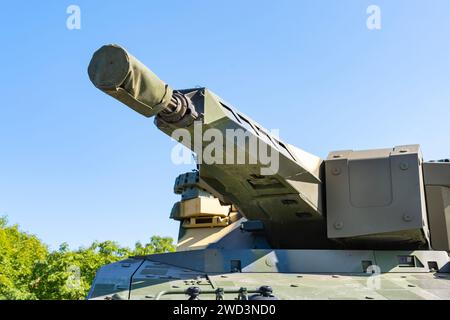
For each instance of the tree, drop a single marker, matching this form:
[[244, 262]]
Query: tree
[[29, 271], [157, 245], [19, 252]]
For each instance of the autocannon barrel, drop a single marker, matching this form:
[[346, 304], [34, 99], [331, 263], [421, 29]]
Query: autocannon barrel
[[119, 74]]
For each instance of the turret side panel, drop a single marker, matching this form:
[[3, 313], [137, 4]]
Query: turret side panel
[[377, 196]]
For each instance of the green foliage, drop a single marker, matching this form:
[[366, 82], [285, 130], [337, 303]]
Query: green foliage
[[19, 253], [29, 271], [157, 245]]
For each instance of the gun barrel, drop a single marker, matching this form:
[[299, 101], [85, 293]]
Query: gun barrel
[[117, 73]]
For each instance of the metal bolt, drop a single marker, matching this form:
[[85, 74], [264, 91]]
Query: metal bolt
[[404, 166], [407, 217], [338, 225], [336, 171]]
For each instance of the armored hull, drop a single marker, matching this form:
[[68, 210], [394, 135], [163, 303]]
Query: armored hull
[[291, 275]]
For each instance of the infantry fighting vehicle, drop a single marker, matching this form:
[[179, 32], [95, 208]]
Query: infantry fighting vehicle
[[372, 224]]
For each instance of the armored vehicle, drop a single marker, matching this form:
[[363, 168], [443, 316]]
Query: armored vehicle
[[262, 219]]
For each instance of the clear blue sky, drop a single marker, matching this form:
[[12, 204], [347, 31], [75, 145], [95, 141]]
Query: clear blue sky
[[77, 166]]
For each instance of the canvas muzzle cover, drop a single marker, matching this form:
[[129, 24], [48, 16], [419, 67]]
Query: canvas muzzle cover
[[116, 72]]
